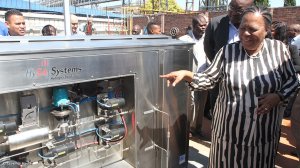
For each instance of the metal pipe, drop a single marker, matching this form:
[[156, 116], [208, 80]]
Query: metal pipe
[[162, 23], [27, 151], [67, 16], [21, 153], [28, 138]]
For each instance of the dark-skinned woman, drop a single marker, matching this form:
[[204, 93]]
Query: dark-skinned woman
[[256, 74]]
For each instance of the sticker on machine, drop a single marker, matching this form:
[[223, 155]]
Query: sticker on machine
[[182, 159]]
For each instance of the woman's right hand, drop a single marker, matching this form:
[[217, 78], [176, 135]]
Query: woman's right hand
[[176, 76]]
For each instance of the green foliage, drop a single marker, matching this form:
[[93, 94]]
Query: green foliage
[[289, 2], [262, 3], [172, 6]]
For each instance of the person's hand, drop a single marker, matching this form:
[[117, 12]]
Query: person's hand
[[175, 77], [266, 102]]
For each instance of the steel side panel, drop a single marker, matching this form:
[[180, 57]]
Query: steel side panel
[[176, 103], [147, 97]]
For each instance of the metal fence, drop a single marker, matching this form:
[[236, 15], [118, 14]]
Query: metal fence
[[56, 8], [39, 13]]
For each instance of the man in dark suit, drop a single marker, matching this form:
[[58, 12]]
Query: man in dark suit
[[223, 30]]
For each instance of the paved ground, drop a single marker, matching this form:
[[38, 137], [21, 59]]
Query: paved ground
[[199, 148], [284, 158]]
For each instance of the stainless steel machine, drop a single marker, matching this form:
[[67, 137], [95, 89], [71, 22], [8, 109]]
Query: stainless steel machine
[[93, 102]]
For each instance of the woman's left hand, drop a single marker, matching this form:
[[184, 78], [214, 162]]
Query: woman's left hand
[[266, 102]]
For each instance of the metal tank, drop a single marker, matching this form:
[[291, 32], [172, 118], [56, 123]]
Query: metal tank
[[93, 101]]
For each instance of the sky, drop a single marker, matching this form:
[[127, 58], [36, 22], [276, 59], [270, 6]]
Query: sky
[[273, 3]]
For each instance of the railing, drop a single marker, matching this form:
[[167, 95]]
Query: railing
[[38, 14], [31, 5]]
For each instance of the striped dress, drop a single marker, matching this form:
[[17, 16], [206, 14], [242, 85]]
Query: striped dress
[[240, 137]]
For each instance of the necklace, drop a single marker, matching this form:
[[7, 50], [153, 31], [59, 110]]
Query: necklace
[[256, 53]]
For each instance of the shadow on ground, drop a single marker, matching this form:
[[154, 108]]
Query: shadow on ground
[[196, 159]]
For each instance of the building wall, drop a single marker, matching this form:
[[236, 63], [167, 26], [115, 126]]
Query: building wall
[[289, 15]]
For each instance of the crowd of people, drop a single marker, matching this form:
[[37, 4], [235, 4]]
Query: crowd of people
[[152, 28], [15, 26], [244, 78]]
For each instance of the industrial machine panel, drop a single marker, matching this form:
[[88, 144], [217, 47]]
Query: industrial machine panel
[[92, 102]]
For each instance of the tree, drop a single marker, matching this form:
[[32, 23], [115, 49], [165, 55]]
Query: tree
[[262, 3], [289, 2], [155, 6]]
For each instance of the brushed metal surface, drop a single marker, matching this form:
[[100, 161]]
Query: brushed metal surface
[[36, 65], [28, 138]]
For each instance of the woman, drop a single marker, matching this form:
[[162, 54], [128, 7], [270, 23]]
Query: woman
[[279, 31], [49, 30], [255, 75]]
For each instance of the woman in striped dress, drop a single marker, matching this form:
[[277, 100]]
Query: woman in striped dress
[[255, 75]]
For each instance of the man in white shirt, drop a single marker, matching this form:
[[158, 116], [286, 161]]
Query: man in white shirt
[[294, 34], [200, 63], [136, 30], [74, 26]]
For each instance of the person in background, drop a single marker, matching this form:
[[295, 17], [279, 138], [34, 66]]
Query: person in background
[[49, 30], [223, 30], [189, 29], [200, 63], [15, 23], [295, 125], [3, 29], [88, 27], [74, 26], [294, 35], [279, 32], [153, 28], [256, 74], [136, 30], [293, 107]]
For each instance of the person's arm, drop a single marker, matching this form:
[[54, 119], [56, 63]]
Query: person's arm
[[176, 76], [199, 81], [289, 85], [289, 78], [210, 77]]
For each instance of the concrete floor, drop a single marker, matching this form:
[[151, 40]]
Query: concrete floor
[[200, 146], [284, 158], [198, 153]]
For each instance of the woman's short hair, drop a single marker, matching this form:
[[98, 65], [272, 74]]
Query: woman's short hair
[[280, 31], [46, 30], [263, 11]]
